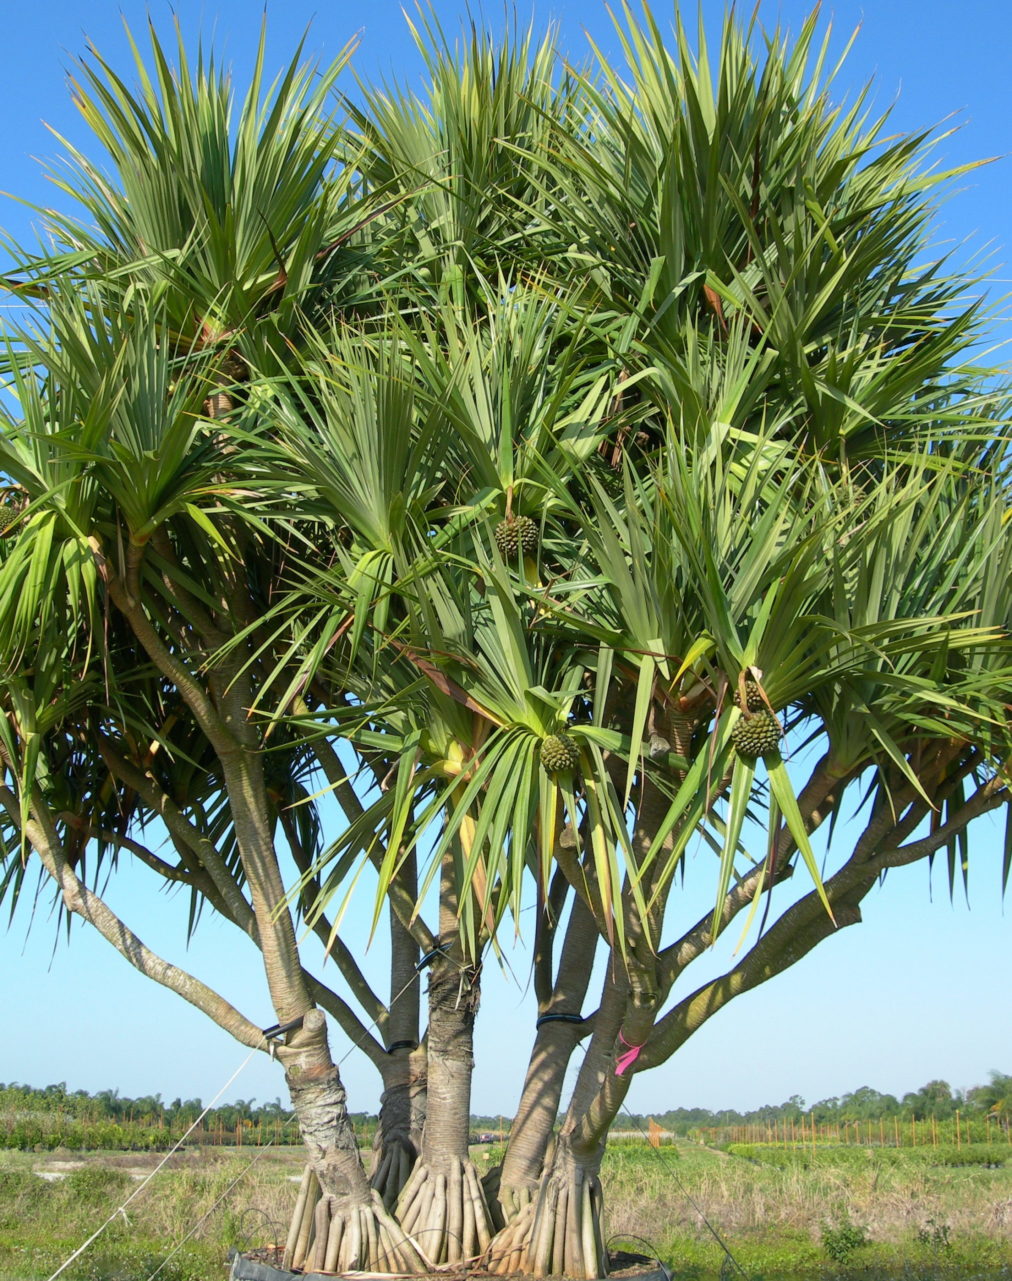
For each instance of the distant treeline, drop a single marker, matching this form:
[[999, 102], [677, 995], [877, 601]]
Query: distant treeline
[[53, 1116], [935, 1101], [147, 1109]]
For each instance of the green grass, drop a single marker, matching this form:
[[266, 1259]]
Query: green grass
[[42, 1223], [864, 1212], [861, 1215], [803, 1156]]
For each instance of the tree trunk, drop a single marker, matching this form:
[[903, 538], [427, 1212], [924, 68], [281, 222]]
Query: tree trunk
[[402, 1106], [401, 1121], [443, 1206], [340, 1223], [534, 1121], [560, 1231], [559, 1032]]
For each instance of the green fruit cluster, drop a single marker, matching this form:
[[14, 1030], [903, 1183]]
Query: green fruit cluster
[[755, 736], [516, 533], [753, 698], [559, 754]]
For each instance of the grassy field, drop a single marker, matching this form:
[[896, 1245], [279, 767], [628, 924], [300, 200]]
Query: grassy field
[[869, 1212]]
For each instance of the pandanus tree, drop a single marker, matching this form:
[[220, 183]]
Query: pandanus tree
[[563, 473], [138, 553], [759, 501]]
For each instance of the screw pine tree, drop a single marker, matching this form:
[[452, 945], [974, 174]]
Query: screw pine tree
[[283, 378]]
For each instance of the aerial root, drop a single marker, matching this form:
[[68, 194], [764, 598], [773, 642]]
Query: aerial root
[[509, 1244], [393, 1170], [556, 1234], [328, 1235], [444, 1211], [513, 1198], [301, 1223]]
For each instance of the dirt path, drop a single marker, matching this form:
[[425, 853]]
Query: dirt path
[[57, 1165]]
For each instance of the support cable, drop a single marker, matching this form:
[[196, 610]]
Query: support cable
[[144, 1182], [271, 1034], [204, 1217]]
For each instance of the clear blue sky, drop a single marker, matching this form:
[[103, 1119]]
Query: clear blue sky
[[919, 990]]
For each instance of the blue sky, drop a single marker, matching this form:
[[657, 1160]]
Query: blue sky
[[919, 990]]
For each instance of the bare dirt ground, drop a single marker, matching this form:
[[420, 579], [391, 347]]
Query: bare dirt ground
[[58, 1164]]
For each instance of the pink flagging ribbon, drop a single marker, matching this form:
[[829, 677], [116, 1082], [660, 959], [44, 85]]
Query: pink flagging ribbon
[[628, 1056]]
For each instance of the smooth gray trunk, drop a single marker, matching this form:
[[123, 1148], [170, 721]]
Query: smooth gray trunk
[[443, 1207], [402, 1106], [401, 1121], [555, 1040]]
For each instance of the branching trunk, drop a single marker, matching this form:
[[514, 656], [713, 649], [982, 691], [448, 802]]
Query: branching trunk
[[402, 1107], [515, 1185], [401, 1120], [443, 1205], [559, 1032], [559, 1230], [40, 832]]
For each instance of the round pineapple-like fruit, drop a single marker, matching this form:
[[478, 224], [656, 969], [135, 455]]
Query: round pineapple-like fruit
[[559, 754], [753, 698], [516, 532], [8, 517], [755, 736]]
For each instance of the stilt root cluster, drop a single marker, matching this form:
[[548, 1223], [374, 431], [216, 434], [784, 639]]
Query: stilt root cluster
[[325, 1238], [557, 1234], [445, 1211]]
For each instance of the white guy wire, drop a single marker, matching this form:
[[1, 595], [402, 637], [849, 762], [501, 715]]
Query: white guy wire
[[143, 1184]]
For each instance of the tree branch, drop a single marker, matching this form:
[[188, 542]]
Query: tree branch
[[815, 801], [41, 833], [195, 614], [401, 900], [346, 1019], [336, 948], [805, 923], [990, 796], [127, 600], [178, 875]]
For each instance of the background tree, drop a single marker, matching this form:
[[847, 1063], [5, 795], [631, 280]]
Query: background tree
[[935, 1099], [995, 1097]]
